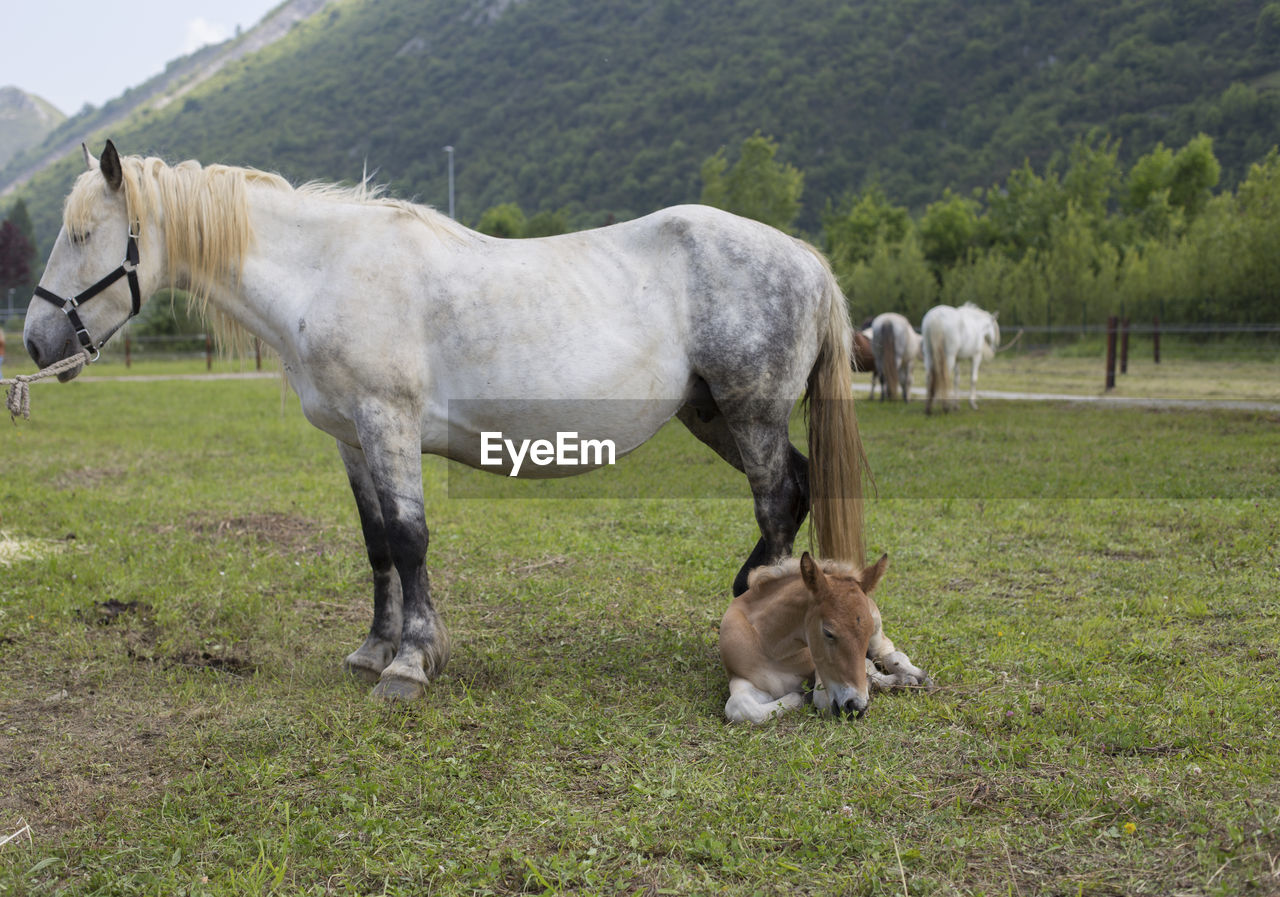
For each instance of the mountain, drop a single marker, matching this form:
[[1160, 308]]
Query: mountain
[[180, 76], [24, 121], [607, 108]]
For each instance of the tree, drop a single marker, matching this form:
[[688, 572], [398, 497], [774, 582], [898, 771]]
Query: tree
[[852, 234], [547, 224], [504, 220], [756, 186], [947, 230], [1195, 173], [15, 257], [22, 219]]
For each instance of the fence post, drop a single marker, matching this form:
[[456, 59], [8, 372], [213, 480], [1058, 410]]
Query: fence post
[[1124, 345], [257, 354], [208, 352], [1155, 339], [128, 354], [1111, 352]]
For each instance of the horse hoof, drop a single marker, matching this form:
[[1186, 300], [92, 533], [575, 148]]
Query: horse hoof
[[367, 675], [399, 690]]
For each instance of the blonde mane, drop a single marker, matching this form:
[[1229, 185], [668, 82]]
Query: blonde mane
[[205, 218], [791, 567]]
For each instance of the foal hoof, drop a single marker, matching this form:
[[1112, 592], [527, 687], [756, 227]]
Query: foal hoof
[[395, 689]]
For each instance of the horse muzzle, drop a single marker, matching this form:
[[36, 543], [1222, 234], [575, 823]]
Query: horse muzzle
[[43, 356], [49, 339], [846, 702]]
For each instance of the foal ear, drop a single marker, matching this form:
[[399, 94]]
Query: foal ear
[[872, 575], [810, 573], [110, 165]]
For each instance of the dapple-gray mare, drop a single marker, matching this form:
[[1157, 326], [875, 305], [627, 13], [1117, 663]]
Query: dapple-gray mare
[[385, 314], [950, 334]]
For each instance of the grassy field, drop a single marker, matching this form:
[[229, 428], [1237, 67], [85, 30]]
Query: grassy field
[[1094, 590]]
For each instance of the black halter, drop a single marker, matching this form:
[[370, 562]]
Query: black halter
[[128, 268]]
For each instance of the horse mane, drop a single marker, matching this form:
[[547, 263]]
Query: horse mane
[[205, 217], [789, 567]]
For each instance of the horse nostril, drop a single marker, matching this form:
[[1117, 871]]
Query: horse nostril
[[34, 351], [851, 708]]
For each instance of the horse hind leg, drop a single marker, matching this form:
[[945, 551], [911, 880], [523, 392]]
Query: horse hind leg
[[777, 473]]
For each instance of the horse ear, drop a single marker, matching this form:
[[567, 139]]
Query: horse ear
[[110, 165], [89, 162], [810, 574], [872, 575]]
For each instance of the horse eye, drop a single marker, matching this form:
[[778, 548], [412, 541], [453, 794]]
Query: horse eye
[[80, 239], [828, 634]]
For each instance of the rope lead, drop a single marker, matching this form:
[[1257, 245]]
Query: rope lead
[[18, 399]]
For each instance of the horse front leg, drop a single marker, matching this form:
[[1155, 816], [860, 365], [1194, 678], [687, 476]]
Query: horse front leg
[[395, 470], [973, 382], [369, 660]]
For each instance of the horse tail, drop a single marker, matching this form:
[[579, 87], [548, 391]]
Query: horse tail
[[889, 360], [935, 355], [836, 457]]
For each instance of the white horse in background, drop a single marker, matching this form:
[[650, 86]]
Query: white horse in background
[[950, 334], [896, 347]]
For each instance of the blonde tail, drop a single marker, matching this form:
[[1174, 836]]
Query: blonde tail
[[889, 361], [935, 355], [836, 457]]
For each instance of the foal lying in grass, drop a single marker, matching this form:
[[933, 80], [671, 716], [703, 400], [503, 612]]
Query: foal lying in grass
[[805, 619]]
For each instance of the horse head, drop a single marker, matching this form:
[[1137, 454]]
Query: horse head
[[838, 627], [991, 337], [85, 263]]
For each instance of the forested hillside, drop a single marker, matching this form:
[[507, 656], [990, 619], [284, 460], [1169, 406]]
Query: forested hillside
[[609, 107], [24, 121]]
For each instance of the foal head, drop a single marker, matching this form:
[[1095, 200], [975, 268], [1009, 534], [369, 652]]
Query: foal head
[[838, 625]]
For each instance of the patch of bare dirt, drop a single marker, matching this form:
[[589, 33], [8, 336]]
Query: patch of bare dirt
[[283, 534], [69, 754]]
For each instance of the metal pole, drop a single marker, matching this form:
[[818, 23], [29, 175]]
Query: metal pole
[[449, 150]]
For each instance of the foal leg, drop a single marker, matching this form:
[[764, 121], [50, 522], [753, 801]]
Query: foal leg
[[395, 467], [748, 704], [369, 660], [898, 670]]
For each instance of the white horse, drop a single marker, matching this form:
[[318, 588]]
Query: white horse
[[387, 315], [950, 334], [897, 347]]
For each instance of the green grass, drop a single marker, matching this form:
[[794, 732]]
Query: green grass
[[1094, 591]]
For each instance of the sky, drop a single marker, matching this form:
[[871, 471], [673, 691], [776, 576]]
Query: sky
[[70, 52]]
